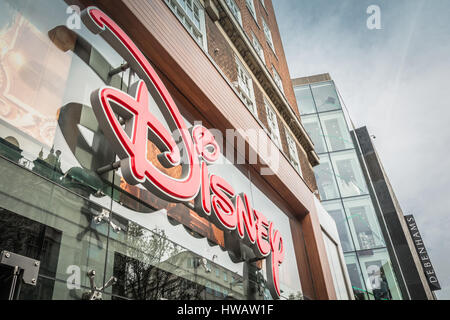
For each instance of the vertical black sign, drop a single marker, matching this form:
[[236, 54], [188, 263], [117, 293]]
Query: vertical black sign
[[423, 255]]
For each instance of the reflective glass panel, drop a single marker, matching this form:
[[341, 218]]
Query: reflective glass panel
[[348, 173], [336, 211], [356, 279], [363, 223], [312, 127], [335, 131], [325, 96], [289, 276], [51, 129], [326, 181], [43, 221], [305, 100], [378, 275], [337, 270]]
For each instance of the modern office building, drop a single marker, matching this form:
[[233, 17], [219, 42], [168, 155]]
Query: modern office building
[[414, 261], [128, 165], [346, 194]]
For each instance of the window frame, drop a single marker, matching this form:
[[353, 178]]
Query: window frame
[[235, 10], [251, 7], [277, 78], [293, 151], [247, 94], [258, 47], [268, 34], [186, 19], [263, 4], [273, 127]]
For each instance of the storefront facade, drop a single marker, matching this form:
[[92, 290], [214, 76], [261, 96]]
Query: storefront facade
[[72, 200]]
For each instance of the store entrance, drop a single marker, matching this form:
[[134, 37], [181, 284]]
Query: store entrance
[[28, 254]]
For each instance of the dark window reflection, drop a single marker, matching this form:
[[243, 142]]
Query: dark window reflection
[[31, 239], [34, 240], [144, 281]]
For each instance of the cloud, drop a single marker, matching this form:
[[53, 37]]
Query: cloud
[[395, 81]]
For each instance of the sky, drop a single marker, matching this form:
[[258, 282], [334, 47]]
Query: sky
[[395, 81]]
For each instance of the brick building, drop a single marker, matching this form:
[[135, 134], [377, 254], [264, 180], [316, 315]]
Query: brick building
[[243, 39]]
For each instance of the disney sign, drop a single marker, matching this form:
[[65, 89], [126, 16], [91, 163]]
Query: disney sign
[[214, 197]]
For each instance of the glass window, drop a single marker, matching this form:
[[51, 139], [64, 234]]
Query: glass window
[[277, 79], [54, 128], [348, 173], [305, 100], [314, 130], [293, 153], [208, 287], [325, 96], [289, 276], [273, 123], [43, 221], [192, 16], [245, 86], [337, 270], [356, 279], [258, 47], [251, 8], [336, 211], [326, 181], [378, 275], [263, 4], [336, 131], [268, 34], [363, 223], [147, 256], [235, 10]]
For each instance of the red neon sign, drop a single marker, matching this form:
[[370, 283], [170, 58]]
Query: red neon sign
[[214, 197]]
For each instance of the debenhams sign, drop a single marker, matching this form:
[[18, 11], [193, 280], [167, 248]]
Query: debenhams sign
[[423, 255]]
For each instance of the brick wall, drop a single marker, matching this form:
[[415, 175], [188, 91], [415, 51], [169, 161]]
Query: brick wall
[[277, 59], [221, 52], [307, 170]]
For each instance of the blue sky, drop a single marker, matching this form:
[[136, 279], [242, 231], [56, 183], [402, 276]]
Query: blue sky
[[395, 81]]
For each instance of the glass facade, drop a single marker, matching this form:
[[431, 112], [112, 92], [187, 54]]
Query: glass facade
[[344, 193], [55, 208]]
